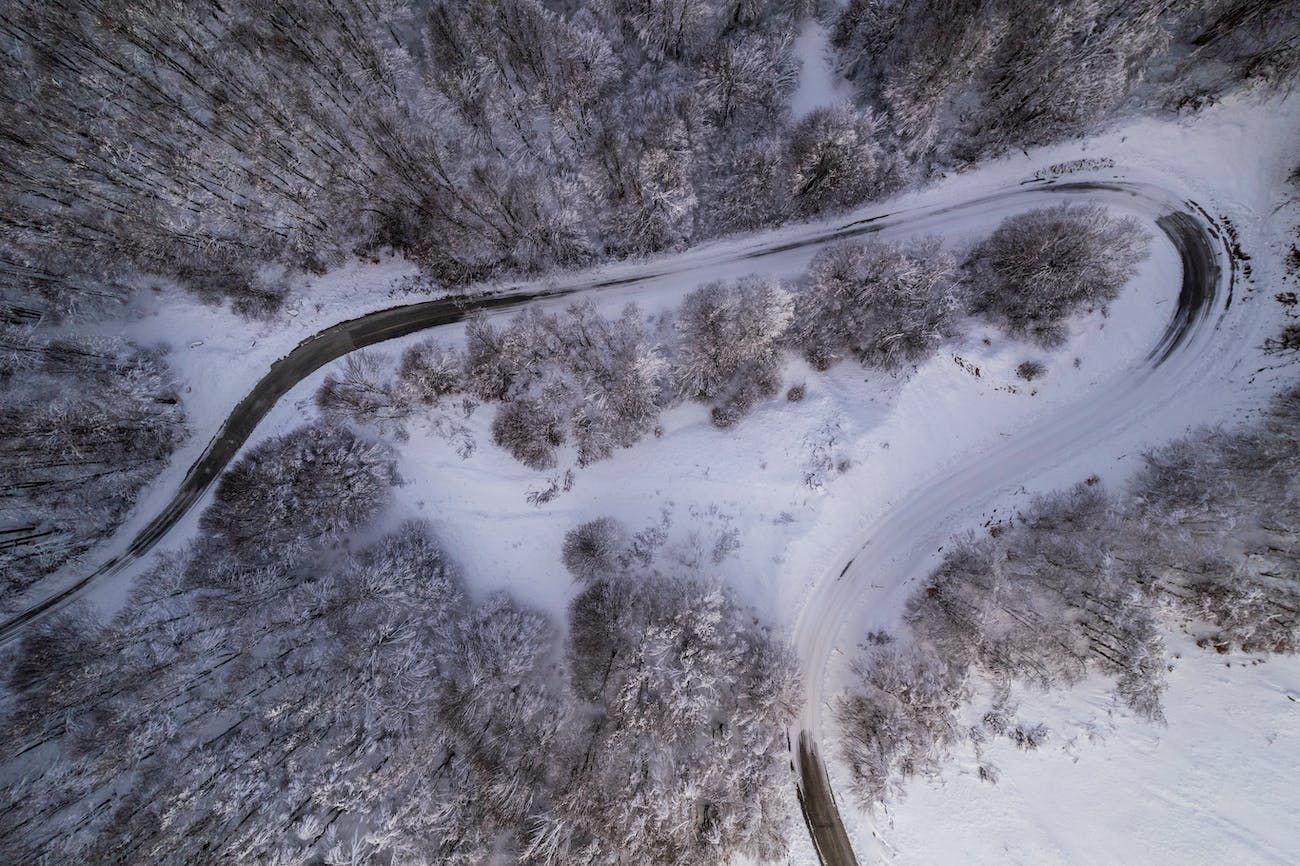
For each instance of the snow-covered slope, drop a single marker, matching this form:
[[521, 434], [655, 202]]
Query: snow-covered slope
[[1215, 784]]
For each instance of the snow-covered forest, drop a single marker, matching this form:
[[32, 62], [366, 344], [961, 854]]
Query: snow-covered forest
[[959, 82], [269, 695], [221, 144], [589, 431], [84, 424]]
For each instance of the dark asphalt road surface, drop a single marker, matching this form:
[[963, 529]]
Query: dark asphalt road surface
[[820, 811]]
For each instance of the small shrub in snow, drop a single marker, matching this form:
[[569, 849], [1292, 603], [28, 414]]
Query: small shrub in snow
[[998, 718], [593, 549], [727, 543], [745, 392], [1030, 370], [1029, 737], [254, 299], [1287, 341]]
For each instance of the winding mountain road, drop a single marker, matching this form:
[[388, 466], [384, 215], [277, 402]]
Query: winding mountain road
[[901, 541], [895, 550]]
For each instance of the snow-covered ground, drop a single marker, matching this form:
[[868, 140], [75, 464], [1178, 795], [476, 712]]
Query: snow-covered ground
[[1216, 784], [819, 86], [929, 454]]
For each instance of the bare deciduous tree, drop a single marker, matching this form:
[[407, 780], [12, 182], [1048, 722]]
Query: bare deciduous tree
[[885, 304], [1041, 267]]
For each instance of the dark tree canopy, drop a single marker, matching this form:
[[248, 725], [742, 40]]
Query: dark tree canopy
[[296, 491], [85, 425], [1041, 267]]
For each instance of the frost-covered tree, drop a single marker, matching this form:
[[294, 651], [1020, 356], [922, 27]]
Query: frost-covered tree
[[748, 187], [429, 372], [652, 192], [885, 304], [1040, 267], [390, 396], [684, 756], [1046, 601], [231, 146], [368, 391], [364, 393], [912, 60], [747, 81], [296, 491], [574, 376], [1066, 69], [201, 145], [84, 426], [531, 430], [899, 716], [593, 550], [730, 338], [619, 374], [1041, 603], [1223, 512], [344, 705], [836, 160]]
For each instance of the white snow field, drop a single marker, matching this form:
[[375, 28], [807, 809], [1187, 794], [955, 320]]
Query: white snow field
[[818, 84], [1216, 784], [929, 454]]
